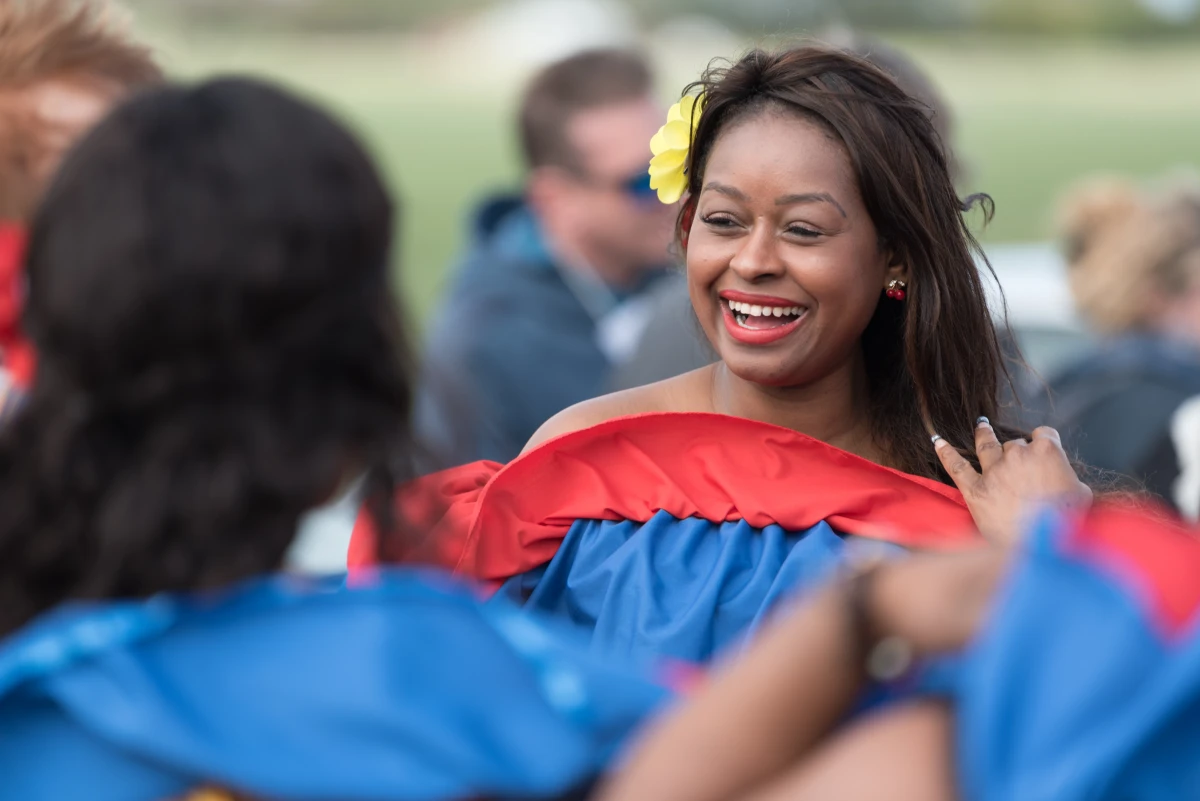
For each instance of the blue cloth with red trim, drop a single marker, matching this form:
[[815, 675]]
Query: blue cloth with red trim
[[1085, 685], [667, 535], [404, 688]]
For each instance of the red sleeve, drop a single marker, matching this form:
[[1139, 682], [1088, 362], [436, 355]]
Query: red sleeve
[[437, 509]]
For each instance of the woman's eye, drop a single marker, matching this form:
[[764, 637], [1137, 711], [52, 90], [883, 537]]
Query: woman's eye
[[719, 222], [801, 231]]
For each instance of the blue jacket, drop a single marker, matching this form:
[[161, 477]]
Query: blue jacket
[[1114, 406], [511, 345]]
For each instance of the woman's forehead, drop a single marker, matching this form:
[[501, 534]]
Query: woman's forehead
[[780, 153]]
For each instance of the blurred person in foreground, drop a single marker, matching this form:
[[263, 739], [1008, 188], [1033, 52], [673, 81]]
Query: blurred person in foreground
[[1134, 267], [831, 265], [672, 342], [63, 64], [1072, 673], [219, 353], [546, 300]]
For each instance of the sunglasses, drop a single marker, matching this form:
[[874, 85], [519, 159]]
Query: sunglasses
[[636, 186]]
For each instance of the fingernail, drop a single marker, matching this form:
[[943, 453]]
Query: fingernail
[[982, 421], [937, 440]]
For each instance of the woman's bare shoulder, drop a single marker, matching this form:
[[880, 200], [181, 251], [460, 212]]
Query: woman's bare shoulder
[[683, 393]]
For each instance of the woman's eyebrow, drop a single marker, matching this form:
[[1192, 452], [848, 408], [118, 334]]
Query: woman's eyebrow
[[810, 197], [730, 191]]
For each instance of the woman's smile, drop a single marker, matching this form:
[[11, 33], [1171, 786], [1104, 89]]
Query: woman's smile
[[760, 319]]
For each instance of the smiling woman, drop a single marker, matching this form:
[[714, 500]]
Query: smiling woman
[[817, 187], [831, 268]]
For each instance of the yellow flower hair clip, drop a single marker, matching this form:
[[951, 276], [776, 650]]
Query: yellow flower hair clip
[[670, 148]]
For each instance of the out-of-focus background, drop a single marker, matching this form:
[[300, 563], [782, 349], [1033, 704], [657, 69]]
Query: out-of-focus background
[[1044, 91]]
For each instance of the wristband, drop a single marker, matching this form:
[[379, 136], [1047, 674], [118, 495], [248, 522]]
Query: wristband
[[883, 659]]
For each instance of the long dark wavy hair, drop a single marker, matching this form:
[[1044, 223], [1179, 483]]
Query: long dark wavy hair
[[219, 350], [934, 362]]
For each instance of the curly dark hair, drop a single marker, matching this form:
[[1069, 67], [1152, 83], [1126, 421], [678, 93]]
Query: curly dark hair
[[934, 362], [219, 350]]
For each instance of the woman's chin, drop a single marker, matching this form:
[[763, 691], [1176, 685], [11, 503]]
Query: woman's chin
[[753, 371]]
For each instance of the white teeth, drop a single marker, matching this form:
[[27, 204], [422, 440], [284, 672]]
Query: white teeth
[[764, 311]]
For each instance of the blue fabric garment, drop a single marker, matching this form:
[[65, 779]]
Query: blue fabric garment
[[510, 345], [1073, 693], [685, 589], [408, 688]]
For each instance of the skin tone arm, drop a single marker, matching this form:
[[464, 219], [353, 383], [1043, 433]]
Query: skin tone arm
[[759, 730], [903, 754]]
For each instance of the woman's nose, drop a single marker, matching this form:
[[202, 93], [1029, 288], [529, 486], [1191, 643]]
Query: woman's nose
[[758, 256]]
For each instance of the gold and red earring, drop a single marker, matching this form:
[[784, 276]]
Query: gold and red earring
[[897, 289]]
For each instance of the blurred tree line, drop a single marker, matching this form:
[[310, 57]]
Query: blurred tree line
[[1103, 18]]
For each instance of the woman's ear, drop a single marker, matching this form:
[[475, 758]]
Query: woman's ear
[[686, 218], [897, 265]]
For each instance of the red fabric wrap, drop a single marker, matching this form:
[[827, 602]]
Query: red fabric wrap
[[1152, 554], [16, 354], [492, 522]]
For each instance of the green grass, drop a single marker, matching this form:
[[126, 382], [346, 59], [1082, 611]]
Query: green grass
[[1033, 117]]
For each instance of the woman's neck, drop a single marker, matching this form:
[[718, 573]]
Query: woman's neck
[[833, 409]]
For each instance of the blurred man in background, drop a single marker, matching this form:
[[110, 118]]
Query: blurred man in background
[[547, 301], [63, 64]]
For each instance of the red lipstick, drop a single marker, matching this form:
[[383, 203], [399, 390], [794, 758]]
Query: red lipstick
[[757, 300]]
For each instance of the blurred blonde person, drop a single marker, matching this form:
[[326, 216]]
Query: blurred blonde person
[[63, 64], [1134, 267]]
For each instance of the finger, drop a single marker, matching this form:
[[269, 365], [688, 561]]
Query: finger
[[964, 476], [987, 447], [1014, 444], [1047, 433]]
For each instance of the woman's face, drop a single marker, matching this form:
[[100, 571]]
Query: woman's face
[[783, 262]]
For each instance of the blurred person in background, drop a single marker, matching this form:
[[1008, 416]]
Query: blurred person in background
[[1134, 269], [546, 301], [673, 342], [63, 64], [219, 353]]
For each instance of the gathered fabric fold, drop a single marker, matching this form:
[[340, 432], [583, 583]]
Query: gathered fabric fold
[[492, 522]]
